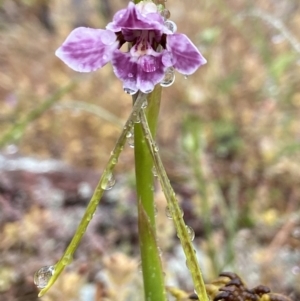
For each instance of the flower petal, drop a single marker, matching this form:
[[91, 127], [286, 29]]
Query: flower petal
[[185, 56], [87, 49], [132, 18], [125, 68], [138, 73], [151, 71]]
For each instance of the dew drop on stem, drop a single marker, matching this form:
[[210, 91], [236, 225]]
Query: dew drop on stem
[[114, 160], [108, 182], [130, 141], [67, 259], [191, 232], [43, 275], [136, 117], [154, 171], [169, 213], [155, 148], [144, 104]]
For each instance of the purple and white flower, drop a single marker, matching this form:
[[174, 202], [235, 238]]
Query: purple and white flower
[[153, 48]]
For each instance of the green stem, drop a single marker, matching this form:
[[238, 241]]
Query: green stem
[[92, 206], [176, 212], [151, 264]]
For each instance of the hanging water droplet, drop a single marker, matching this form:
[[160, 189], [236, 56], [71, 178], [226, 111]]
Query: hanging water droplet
[[130, 140], [185, 76], [42, 276], [171, 25], [155, 148], [130, 91], [169, 212], [144, 104], [154, 171], [108, 182], [191, 232], [129, 134], [169, 78], [165, 14]]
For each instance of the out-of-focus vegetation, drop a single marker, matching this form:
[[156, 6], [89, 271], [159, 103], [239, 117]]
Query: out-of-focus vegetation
[[229, 136]]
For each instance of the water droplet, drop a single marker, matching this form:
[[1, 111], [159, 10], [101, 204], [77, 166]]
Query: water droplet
[[144, 104], [130, 75], [109, 182], [171, 25], [136, 117], [129, 134], [114, 160], [188, 265], [154, 171], [190, 232], [130, 91], [169, 78], [185, 76], [89, 217], [67, 259], [43, 275], [155, 148], [130, 139], [169, 212], [165, 14]]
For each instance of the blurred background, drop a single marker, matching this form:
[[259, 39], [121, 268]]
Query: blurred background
[[229, 137]]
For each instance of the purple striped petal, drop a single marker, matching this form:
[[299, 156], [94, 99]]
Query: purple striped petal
[[138, 73], [132, 18], [186, 57], [151, 71], [87, 49], [125, 68]]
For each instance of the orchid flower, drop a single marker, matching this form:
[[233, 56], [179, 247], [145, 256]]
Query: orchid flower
[[154, 48]]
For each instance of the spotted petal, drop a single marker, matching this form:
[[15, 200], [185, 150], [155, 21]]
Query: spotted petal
[[186, 57], [132, 18], [138, 73], [87, 49]]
